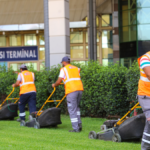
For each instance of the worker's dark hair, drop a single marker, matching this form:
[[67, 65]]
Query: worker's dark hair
[[68, 62], [24, 69]]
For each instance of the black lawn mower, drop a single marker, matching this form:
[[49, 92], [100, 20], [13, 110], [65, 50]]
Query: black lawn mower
[[9, 111], [123, 130], [49, 117]]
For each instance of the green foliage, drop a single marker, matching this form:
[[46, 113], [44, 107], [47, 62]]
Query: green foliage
[[107, 90], [115, 90], [132, 78], [7, 78]]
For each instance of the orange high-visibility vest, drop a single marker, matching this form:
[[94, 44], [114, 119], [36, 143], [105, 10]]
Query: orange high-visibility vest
[[27, 85], [72, 79], [144, 82]]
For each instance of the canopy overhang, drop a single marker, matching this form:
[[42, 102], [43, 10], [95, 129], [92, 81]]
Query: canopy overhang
[[31, 11]]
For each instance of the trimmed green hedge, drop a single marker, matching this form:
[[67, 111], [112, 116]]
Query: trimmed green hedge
[[132, 78], [107, 90]]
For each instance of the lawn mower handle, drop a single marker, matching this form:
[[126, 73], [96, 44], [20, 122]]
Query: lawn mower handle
[[48, 101], [7, 98]]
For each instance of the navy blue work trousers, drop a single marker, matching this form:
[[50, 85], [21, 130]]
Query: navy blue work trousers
[[30, 99]]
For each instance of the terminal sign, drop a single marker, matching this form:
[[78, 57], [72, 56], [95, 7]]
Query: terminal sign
[[19, 53]]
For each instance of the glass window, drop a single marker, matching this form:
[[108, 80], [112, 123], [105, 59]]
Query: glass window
[[124, 4], [15, 40], [42, 53], [76, 37], [128, 4], [106, 20], [143, 15], [144, 32], [41, 40], [128, 18], [42, 65], [132, 4], [97, 21], [81, 62], [87, 53], [106, 62], [30, 39], [106, 36], [128, 34], [29, 65], [143, 3], [125, 19], [107, 48], [2, 41], [14, 67], [125, 34], [3, 64], [87, 37], [132, 15], [97, 37], [127, 62], [77, 52]]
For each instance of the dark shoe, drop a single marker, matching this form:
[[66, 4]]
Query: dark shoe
[[22, 123], [74, 130], [80, 126]]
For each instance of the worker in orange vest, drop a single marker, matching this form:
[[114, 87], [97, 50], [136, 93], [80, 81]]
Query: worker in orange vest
[[144, 96], [27, 92], [70, 75]]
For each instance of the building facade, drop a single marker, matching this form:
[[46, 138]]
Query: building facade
[[134, 28], [68, 31]]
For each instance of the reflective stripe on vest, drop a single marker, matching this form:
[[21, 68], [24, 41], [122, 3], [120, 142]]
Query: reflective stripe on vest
[[144, 79], [148, 55], [144, 82], [141, 70], [69, 79], [72, 79], [26, 83]]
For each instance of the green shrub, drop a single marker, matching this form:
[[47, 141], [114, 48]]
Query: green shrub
[[116, 93], [132, 78], [107, 90], [7, 78]]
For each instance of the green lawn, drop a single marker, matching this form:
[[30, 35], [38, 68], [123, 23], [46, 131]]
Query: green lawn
[[14, 137]]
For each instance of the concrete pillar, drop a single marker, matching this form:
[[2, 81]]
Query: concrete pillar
[[92, 33], [115, 32], [59, 31]]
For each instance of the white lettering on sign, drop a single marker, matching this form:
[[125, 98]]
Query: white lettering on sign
[[2, 55], [18, 54], [26, 53], [14, 54], [34, 54], [11, 54], [7, 54], [30, 53]]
